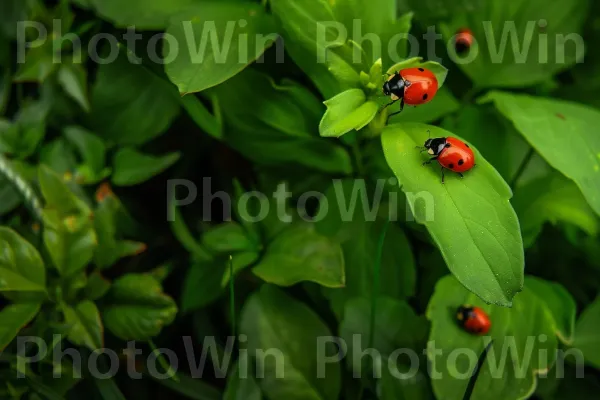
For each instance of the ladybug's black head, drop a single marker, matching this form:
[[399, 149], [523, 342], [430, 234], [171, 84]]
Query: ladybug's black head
[[435, 146], [394, 87], [387, 90], [464, 313]]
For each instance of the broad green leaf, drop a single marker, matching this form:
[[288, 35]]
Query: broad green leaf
[[85, 326], [553, 199], [299, 254], [96, 287], [315, 41], [242, 387], [493, 135], [141, 104], [73, 79], [279, 127], [13, 318], [471, 219], [137, 308], [144, 14], [21, 266], [561, 132], [525, 341], [132, 167], [351, 220], [397, 387], [587, 339], [59, 155], [205, 280], [273, 320], [22, 137], [10, 198], [227, 238], [513, 49], [347, 111], [219, 45], [39, 64], [396, 327], [443, 103]]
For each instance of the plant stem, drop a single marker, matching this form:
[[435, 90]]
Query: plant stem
[[232, 297], [522, 168], [473, 380], [167, 367]]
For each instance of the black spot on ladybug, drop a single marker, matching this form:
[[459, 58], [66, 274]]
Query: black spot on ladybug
[[421, 69], [447, 145], [425, 96], [461, 161], [451, 166], [467, 145]]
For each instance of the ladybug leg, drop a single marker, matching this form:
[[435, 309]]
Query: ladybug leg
[[442, 175], [397, 112], [461, 175], [429, 161]]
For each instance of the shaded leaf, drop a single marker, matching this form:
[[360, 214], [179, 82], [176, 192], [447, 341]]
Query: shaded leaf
[[21, 266], [85, 325], [132, 167], [13, 318]]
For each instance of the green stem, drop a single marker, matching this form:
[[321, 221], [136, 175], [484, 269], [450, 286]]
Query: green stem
[[468, 97], [163, 363], [232, 296], [360, 167], [476, 371], [522, 168]]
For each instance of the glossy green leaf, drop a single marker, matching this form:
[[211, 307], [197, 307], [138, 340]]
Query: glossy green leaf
[[91, 149], [443, 103], [518, 44], [137, 308], [141, 104], [85, 325], [279, 127], [358, 231], [273, 320], [299, 254], [471, 219], [396, 327], [553, 199], [548, 125], [438, 70], [73, 79], [242, 387], [132, 167], [347, 111], [218, 44], [144, 14], [13, 318], [227, 238], [398, 387], [529, 328], [587, 339], [21, 266]]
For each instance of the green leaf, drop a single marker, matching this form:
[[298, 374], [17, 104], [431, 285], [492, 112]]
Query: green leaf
[[358, 230], [242, 387], [208, 122], [191, 388], [347, 111], [137, 308], [529, 328], [395, 388], [548, 125], [279, 127], [144, 14], [512, 49], [141, 104], [553, 199], [205, 280], [69, 233], [22, 137], [96, 287], [471, 214], [21, 266], [227, 238], [13, 318], [91, 149], [586, 334], [10, 198], [219, 45], [273, 320], [73, 79], [396, 326], [132, 167], [85, 325], [299, 254]]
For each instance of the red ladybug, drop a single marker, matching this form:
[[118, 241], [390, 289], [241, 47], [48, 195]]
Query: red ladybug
[[463, 40], [451, 153], [414, 86], [473, 319]]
